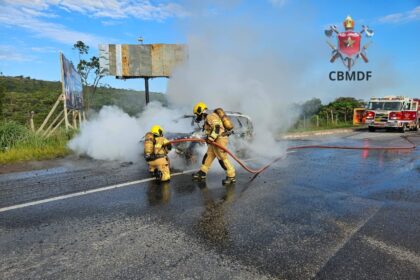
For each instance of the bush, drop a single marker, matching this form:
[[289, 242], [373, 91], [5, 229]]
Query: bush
[[11, 134], [31, 146]]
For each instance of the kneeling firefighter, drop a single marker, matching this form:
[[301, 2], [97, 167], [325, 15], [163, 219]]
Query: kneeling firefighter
[[156, 148], [217, 127]]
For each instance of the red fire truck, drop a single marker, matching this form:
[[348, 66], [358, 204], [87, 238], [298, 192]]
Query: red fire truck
[[393, 112]]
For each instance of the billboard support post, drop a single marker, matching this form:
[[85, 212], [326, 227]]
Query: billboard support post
[[74, 118], [71, 94], [52, 123], [146, 89], [50, 113], [66, 121], [52, 131], [80, 118]]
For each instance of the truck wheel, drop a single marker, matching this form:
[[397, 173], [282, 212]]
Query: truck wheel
[[371, 129], [401, 129]]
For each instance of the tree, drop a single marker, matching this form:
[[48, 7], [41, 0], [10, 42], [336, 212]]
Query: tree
[[342, 108], [89, 72], [311, 107]]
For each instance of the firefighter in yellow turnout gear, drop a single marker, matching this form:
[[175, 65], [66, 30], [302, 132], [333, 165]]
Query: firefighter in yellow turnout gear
[[156, 148], [217, 128]]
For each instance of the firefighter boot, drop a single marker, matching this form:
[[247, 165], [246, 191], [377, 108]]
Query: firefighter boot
[[229, 181], [158, 175], [152, 173], [200, 175]]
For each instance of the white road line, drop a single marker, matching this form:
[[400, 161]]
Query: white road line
[[341, 245], [397, 252], [61, 197]]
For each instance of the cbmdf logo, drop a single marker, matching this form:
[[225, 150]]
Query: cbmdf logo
[[349, 49]]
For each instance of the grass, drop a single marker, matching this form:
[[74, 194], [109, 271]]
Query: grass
[[17, 143], [324, 127]]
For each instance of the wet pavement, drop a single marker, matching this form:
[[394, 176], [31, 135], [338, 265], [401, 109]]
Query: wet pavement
[[318, 214]]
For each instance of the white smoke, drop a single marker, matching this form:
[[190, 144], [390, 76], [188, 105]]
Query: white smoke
[[233, 64], [240, 64], [113, 135]]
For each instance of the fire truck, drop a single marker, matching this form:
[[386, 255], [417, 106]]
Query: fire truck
[[393, 112]]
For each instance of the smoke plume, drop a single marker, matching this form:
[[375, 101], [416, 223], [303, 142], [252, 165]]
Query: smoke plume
[[113, 135], [240, 62]]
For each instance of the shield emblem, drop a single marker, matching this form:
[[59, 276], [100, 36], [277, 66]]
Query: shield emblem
[[349, 43]]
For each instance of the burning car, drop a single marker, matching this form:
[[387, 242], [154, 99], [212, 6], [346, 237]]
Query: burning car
[[242, 133]]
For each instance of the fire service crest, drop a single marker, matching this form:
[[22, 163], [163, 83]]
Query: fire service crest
[[348, 48]]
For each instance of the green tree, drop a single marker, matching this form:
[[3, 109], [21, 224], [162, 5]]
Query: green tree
[[341, 109], [89, 72], [311, 107]]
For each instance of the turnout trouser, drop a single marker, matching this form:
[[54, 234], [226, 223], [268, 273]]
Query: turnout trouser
[[215, 152], [162, 165]]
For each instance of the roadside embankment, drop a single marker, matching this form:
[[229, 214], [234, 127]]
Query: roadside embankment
[[303, 134]]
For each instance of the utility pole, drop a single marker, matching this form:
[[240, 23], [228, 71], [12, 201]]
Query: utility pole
[[146, 89]]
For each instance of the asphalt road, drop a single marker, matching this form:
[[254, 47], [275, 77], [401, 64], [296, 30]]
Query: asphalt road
[[318, 214]]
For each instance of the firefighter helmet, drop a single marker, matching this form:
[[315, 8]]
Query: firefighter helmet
[[199, 108], [157, 130], [348, 23]]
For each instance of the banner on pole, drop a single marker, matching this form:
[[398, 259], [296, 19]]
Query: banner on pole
[[72, 84]]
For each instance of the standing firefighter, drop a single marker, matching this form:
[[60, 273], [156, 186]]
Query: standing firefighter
[[156, 148], [217, 127]]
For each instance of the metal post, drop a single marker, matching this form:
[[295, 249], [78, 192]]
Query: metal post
[[146, 89]]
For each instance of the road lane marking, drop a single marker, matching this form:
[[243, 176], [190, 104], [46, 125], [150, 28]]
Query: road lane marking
[[397, 252], [341, 245], [61, 197]]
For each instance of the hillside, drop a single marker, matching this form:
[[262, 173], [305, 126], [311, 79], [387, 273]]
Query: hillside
[[21, 95]]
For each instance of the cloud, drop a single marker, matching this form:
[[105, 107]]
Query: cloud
[[111, 22], [277, 3], [9, 53], [32, 14], [114, 9], [411, 15], [44, 49], [13, 16]]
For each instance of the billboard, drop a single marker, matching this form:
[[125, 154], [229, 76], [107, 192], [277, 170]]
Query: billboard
[[140, 61], [72, 84]]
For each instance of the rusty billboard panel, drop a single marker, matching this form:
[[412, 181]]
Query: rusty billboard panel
[[132, 61]]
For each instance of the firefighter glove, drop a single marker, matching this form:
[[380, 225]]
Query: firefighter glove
[[149, 157]]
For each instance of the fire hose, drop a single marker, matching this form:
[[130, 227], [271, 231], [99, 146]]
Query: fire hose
[[256, 172]]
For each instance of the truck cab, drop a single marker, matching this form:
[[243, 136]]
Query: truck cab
[[393, 112]]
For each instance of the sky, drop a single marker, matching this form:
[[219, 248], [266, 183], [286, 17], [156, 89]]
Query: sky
[[32, 33]]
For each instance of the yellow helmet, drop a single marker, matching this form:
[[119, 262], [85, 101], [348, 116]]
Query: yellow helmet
[[348, 23], [157, 130], [199, 108]]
